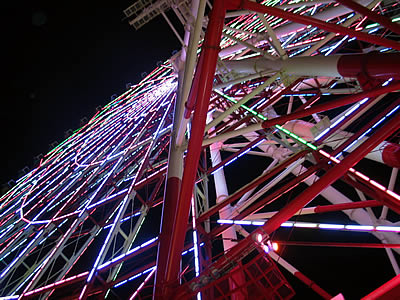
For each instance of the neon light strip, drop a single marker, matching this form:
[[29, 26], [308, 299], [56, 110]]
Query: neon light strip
[[120, 257], [55, 284], [153, 268], [144, 282], [316, 225], [82, 275], [60, 157], [22, 253], [195, 245], [236, 157], [348, 113], [332, 48], [100, 254], [260, 116]]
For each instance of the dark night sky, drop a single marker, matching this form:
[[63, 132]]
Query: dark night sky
[[63, 59]]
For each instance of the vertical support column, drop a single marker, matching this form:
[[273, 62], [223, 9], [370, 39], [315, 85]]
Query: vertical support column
[[175, 156], [221, 191], [176, 213], [190, 60]]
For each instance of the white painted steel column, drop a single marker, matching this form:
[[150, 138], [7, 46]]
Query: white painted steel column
[[389, 251], [221, 191], [190, 62]]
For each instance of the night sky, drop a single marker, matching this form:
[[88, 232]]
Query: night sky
[[63, 59]]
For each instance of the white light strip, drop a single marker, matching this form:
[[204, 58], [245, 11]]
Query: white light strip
[[195, 245], [305, 225], [316, 225], [354, 108]]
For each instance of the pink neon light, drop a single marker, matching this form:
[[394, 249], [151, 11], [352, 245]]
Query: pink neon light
[[142, 284], [379, 186], [55, 284], [393, 194], [362, 176]]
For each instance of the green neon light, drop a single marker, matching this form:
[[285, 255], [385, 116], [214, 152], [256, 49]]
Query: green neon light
[[296, 137], [260, 116], [242, 105], [377, 24], [371, 25]]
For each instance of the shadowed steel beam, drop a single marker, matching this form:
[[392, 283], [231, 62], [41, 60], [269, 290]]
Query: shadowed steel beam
[[169, 256], [253, 6]]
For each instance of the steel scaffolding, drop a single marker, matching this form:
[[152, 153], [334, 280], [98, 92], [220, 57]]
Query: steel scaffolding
[[274, 126]]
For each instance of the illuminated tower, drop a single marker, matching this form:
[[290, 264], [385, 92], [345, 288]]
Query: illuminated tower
[[281, 132]]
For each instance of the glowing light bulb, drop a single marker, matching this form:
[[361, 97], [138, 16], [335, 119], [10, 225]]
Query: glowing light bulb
[[275, 246], [259, 238]]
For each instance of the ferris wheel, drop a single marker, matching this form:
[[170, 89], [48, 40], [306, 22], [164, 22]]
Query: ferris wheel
[[259, 162]]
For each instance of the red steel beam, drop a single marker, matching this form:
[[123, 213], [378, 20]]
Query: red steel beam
[[216, 208], [169, 255], [191, 102], [365, 127], [267, 200], [344, 206], [373, 191], [372, 65], [310, 102], [312, 285], [389, 290], [386, 22], [253, 6], [333, 104], [331, 176], [309, 194], [337, 244], [236, 154]]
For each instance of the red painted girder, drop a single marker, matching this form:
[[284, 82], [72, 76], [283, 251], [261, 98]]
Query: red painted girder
[[332, 104], [253, 6], [337, 244], [365, 127], [310, 193], [388, 291], [345, 206], [312, 285], [331, 176], [372, 65], [170, 256], [386, 22], [371, 190], [262, 178]]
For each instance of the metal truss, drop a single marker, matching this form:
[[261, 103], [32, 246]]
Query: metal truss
[[282, 130]]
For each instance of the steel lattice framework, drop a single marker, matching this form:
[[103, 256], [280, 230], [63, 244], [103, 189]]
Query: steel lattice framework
[[287, 103]]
